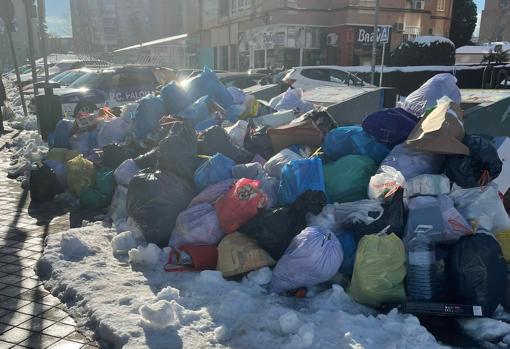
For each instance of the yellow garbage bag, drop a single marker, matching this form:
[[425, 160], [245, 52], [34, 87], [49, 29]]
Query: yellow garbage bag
[[379, 271], [80, 174], [239, 254], [504, 240], [61, 154]]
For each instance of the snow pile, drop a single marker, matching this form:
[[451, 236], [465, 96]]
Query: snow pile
[[16, 117], [427, 40], [27, 148], [147, 307]]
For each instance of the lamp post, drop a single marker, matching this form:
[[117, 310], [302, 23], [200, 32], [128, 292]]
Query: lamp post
[[374, 42]]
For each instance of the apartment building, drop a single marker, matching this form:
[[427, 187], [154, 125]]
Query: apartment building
[[495, 23], [242, 34], [106, 25]]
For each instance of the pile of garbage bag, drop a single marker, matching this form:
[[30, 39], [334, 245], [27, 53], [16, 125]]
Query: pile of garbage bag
[[404, 207]]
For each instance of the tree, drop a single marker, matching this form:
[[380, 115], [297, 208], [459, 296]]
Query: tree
[[464, 17], [415, 53], [496, 57]]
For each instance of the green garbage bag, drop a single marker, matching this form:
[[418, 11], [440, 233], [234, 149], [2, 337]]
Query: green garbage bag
[[347, 179], [379, 271], [100, 195]]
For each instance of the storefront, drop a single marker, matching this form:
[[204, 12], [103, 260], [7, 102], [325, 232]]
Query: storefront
[[280, 46], [352, 45]]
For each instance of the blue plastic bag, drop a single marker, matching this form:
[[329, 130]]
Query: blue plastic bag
[[352, 140], [212, 171], [349, 246], [299, 176], [207, 83], [314, 256], [198, 111], [148, 113], [59, 138], [390, 126], [175, 98]]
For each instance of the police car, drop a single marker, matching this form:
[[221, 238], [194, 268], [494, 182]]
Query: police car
[[112, 87]]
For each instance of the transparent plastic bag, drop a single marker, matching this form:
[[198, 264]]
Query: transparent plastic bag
[[385, 183]]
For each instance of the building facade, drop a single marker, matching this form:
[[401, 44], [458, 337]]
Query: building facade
[[106, 25], [495, 23], [242, 34]]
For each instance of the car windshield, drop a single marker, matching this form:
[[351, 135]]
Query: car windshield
[[60, 76], [91, 80], [71, 77]]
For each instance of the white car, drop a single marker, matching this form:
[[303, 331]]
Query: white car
[[311, 77]]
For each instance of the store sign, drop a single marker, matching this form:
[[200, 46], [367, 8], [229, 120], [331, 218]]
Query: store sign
[[364, 36]]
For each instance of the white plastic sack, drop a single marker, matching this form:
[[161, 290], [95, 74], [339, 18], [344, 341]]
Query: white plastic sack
[[430, 92], [197, 225], [293, 99], [482, 208], [314, 256], [237, 132], [436, 212], [385, 183], [114, 131], [455, 222], [118, 207], [412, 163], [427, 185], [357, 212], [274, 165], [125, 172], [237, 94]]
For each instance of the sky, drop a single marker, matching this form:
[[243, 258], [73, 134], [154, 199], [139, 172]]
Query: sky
[[58, 17]]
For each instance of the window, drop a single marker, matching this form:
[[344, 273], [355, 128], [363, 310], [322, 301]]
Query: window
[[338, 76], [164, 76], [440, 5], [238, 6], [410, 33], [316, 74], [137, 77]]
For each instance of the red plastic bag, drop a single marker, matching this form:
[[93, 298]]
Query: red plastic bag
[[239, 204]]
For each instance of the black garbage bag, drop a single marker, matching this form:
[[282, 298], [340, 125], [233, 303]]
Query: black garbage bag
[[115, 154], [154, 201], [43, 183], [215, 140], [274, 229], [148, 160], [393, 216], [476, 272], [177, 152], [322, 119], [477, 169], [257, 141]]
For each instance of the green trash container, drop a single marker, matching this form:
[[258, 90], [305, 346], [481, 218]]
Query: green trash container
[[49, 109]]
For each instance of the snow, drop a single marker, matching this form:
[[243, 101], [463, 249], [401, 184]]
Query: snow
[[126, 241], [427, 40], [140, 306], [484, 49], [433, 68]]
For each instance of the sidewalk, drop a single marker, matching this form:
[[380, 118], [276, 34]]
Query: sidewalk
[[29, 315]]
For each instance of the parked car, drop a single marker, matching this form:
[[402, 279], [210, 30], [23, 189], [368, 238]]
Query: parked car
[[64, 79], [26, 79], [184, 74], [113, 87], [310, 77], [240, 80]]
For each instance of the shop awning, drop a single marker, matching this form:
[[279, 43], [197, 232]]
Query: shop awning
[[154, 43]]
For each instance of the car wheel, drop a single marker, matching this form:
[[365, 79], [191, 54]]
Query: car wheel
[[84, 107]]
